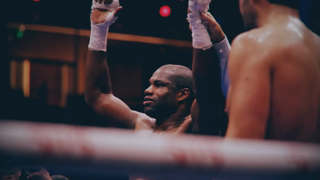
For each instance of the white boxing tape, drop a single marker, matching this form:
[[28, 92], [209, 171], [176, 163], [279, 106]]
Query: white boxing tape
[[110, 5], [199, 5], [200, 36], [99, 32]]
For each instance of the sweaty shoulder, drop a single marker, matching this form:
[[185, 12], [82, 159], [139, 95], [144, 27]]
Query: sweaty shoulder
[[243, 43], [254, 42], [292, 39], [270, 43], [249, 47]]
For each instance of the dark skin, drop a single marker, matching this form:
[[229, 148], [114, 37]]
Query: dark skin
[[99, 95], [208, 109], [159, 93], [164, 102]]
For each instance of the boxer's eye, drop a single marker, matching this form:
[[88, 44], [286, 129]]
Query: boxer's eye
[[159, 84]]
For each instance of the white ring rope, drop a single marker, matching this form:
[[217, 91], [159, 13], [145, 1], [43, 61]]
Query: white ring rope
[[125, 152]]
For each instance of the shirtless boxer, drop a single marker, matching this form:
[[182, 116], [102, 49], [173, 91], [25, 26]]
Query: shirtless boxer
[[168, 99], [275, 74]]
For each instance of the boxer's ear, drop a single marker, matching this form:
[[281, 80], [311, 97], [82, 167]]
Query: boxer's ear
[[183, 94]]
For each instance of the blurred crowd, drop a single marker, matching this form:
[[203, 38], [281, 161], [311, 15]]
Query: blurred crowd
[[29, 173]]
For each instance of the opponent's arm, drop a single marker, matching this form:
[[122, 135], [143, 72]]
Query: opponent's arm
[[249, 96], [207, 110], [221, 49], [219, 42], [98, 85]]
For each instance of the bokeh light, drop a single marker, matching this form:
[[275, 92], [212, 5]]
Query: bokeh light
[[165, 11]]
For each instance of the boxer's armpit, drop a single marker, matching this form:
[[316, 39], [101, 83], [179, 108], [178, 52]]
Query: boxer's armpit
[[249, 99]]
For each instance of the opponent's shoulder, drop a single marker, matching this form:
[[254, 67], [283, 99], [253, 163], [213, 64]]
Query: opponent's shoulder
[[243, 42], [250, 43], [249, 51], [265, 44], [249, 46]]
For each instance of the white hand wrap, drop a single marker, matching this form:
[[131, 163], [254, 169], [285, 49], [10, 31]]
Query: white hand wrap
[[200, 36], [199, 5], [99, 32]]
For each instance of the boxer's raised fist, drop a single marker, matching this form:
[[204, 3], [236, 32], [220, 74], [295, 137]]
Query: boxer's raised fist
[[110, 5], [197, 6], [108, 2], [105, 11], [105, 16], [214, 28]]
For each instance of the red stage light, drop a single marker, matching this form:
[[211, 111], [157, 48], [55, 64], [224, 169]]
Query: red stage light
[[165, 11]]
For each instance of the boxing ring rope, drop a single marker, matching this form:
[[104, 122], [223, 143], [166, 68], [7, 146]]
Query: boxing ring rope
[[89, 151]]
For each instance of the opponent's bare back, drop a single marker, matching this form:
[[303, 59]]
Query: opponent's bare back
[[278, 82], [295, 82]]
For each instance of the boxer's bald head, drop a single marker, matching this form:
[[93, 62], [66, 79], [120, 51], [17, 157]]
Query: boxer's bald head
[[251, 9], [171, 86]]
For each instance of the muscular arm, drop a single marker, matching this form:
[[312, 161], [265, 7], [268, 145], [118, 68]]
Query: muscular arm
[[208, 110], [99, 92], [98, 85], [211, 78], [249, 95]]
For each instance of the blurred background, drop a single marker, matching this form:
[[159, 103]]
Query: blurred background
[[45, 45]]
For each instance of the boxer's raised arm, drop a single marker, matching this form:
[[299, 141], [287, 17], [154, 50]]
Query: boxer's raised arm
[[98, 85], [249, 96], [221, 49], [99, 92], [207, 110]]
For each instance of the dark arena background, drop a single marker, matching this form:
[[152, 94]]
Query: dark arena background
[[43, 66]]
